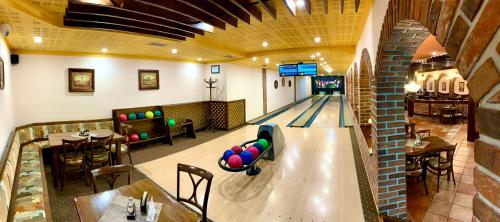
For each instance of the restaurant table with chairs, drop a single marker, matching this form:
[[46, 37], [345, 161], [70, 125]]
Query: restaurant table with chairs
[[56, 144]]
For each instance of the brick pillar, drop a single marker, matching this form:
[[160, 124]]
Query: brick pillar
[[365, 75], [389, 114], [355, 88]]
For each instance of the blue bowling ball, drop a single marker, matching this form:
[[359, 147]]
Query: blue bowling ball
[[140, 115], [259, 147], [227, 154], [247, 157]]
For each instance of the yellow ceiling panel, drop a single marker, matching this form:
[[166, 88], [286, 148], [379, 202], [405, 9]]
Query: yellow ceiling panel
[[29, 18]]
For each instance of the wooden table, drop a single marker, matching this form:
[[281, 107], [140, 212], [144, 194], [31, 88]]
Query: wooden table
[[435, 143], [93, 207], [55, 143]]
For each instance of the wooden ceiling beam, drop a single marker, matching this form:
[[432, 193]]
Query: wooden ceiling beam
[[308, 6], [184, 10], [125, 13], [249, 8], [270, 9], [212, 10], [341, 6], [231, 9], [125, 21], [114, 27], [325, 6], [293, 11], [356, 5]]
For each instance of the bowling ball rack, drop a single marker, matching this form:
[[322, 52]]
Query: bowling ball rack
[[251, 169]]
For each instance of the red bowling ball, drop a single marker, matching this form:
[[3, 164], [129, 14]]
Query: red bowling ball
[[254, 151]]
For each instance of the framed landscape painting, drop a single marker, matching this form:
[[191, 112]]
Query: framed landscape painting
[[149, 79], [81, 80], [2, 77]]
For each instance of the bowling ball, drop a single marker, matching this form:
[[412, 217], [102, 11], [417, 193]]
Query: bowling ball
[[255, 152], [157, 113], [237, 149], [235, 161], [123, 117], [171, 122], [144, 136], [227, 154], [140, 115], [132, 116], [246, 157], [264, 143], [149, 115], [259, 147], [134, 137]]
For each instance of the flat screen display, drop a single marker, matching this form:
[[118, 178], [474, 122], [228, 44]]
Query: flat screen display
[[307, 69], [288, 70]]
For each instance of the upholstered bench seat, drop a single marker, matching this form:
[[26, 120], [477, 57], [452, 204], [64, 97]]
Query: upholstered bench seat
[[23, 191]]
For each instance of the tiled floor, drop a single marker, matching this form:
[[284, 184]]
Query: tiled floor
[[454, 201]]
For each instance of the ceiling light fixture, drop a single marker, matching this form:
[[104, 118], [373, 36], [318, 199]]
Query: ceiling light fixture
[[292, 6], [277, 64], [300, 3], [313, 56], [173, 51], [37, 39], [434, 53], [321, 59], [254, 59], [204, 26], [266, 60], [265, 44], [104, 50], [317, 39], [318, 54], [199, 59]]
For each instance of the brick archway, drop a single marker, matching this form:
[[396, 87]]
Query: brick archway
[[470, 37], [355, 91], [350, 90], [365, 77]]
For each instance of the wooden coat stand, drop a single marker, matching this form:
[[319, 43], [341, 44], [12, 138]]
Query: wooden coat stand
[[210, 86]]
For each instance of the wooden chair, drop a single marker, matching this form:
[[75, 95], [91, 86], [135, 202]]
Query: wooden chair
[[204, 175], [435, 114], [113, 172], [72, 157], [447, 115], [439, 163], [99, 154], [414, 169], [459, 115], [421, 133], [125, 130]]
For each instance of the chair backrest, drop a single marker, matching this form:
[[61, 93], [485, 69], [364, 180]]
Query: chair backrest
[[113, 172], [78, 145], [448, 152], [193, 200], [125, 130], [101, 142]]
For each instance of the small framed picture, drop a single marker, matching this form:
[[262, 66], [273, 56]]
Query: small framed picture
[[149, 79], [289, 83], [2, 77], [81, 80], [276, 84], [283, 82], [215, 69]]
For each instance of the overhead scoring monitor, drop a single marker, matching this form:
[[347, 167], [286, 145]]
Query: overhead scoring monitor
[[288, 69], [307, 69]]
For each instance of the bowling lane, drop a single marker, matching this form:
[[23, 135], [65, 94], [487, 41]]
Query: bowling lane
[[329, 115], [286, 117]]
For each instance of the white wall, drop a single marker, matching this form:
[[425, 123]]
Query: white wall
[[244, 82], [41, 86], [6, 98], [303, 86], [282, 96]]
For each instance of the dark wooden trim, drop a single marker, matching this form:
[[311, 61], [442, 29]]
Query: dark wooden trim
[[308, 6], [231, 9], [270, 9], [67, 122], [126, 22], [289, 9], [125, 13], [356, 5], [212, 10], [13, 194], [117, 27], [341, 6], [5, 153], [472, 134], [325, 6], [48, 208], [249, 8]]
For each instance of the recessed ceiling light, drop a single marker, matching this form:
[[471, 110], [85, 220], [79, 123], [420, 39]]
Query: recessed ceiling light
[[277, 64], [300, 3], [317, 39], [104, 50], [265, 44], [173, 51], [266, 60], [434, 53], [321, 59], [199, 59], [37, 39], [204, 26], [318, 54], [313, 56], [254, 58]]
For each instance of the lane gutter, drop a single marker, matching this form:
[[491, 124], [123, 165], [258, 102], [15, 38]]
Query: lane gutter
[[291, 124], [316, 113], [280, 111]]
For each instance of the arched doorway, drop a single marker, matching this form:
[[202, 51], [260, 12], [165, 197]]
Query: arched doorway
[[365, 76], [468, 34]]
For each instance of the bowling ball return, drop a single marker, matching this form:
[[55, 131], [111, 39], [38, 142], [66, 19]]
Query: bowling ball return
[[270, 132]]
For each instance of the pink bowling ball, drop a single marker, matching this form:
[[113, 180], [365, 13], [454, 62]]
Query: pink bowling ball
[[123, 117], [237, 149], [254, 151], [134, 137], [235, 161]]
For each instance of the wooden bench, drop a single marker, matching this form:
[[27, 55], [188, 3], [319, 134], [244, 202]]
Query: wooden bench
[[187, 126]]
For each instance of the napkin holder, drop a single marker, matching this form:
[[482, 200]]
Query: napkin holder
[[84, 132]]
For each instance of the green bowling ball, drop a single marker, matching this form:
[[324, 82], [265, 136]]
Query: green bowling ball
[[157, 113], [144, 136], [132, 116], [264, 143], [171, 122]]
